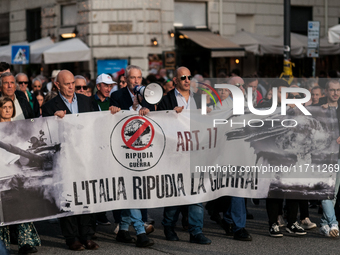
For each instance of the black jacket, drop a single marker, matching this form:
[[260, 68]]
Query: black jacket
[[57, 104], [169, 101], [122, 99]]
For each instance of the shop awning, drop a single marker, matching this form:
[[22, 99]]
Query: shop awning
[[334, 34], [219, 46], [257, 44], [71, 50]]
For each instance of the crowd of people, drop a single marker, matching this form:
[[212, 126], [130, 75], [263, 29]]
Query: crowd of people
[[67, 93]]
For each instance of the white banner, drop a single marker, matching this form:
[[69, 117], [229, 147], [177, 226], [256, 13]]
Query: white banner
[[94, 162]]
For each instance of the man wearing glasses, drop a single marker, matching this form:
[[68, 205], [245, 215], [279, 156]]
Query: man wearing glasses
[[81, 86], [178, 99], [22, 82]]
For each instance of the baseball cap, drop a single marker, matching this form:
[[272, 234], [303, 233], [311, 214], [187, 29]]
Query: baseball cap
[[104, 78], [54, 73]]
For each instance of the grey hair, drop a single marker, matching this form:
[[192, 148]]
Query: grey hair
[[41, 77], [310, 83], [129, 68], [5, 75], [16, 77], [21, 74], [80, 77], [317, 87], [36, 79]]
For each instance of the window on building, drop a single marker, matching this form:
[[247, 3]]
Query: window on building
[[190, 14], [245, 22], [68, 15], [4, 29], [299, 17], [33, 24]]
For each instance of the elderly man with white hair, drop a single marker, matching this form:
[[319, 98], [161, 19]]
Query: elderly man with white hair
[[23, 109]]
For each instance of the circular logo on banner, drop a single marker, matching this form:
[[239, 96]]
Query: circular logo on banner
[[137, 143]]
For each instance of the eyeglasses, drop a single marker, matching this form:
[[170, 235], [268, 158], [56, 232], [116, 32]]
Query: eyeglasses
[[81, 87], [23, 82], [183, 77], [239, 85], [291, 96], [122, 82]]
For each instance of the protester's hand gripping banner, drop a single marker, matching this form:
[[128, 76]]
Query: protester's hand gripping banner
[[95, 162]]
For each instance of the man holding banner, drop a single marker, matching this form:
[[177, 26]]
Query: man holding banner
[[77, 230], [123, 100], [178, 99]]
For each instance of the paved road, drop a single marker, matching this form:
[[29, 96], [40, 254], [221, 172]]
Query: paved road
[[313, 243]]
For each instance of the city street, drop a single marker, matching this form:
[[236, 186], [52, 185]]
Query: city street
[[312, 243]]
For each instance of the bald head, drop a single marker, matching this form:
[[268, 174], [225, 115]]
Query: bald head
[[66, 84], [182, 79], [237, 81]]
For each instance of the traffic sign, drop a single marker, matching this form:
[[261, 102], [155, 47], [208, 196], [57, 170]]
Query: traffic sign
[[313, 39], [20, 54]]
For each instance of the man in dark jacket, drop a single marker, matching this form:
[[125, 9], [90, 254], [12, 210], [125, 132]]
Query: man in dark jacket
[[178, 99], [124, 98], [77, 230]]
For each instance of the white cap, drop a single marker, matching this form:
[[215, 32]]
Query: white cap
[[54, 73], [104, 78]]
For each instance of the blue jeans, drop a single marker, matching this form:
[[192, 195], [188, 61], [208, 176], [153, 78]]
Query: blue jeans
[[236, 213], [195, 217], [328, 216], [133, 216]]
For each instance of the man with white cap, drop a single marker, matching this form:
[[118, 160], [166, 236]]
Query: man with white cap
[[49, 85], [104, 84]]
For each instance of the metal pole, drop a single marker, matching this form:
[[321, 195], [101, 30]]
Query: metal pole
[[286, 33], [314, 67], [287, 64]]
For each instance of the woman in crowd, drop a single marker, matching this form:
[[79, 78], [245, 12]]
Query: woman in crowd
[[39, 95], [26, 233], [121, 81]]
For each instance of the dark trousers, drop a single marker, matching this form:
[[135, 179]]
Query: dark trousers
[[304, 210], [77, 228], [117, 215], [273, 206]]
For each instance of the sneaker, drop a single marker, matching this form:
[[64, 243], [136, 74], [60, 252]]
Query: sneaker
[[324, 230], [295, 229], [307, 224], [281, 221], [274, 231], [334, 230]]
